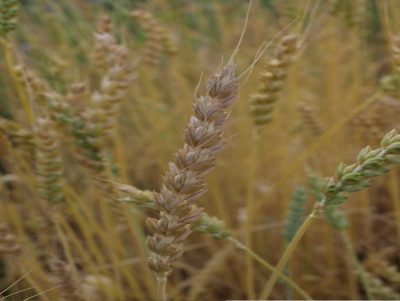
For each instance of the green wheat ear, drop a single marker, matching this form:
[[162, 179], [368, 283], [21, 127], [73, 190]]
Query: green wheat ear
[[296, 213], [355, 177], [8, 16]]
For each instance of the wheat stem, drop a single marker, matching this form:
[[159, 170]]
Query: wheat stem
[[270, 268], [250, 213], [288, 253], [162, 287]]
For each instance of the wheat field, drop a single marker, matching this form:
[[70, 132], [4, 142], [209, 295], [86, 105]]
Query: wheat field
[[199, 150]]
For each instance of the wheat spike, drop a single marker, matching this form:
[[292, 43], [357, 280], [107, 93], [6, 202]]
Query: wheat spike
[[158, 40], [118, 75], [355, 177], [184, 182], [8, 16], [48, 162], [272, 78], [296, 213]]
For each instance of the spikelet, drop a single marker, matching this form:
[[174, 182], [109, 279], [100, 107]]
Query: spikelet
[[206, 224], [271, 81], [8, 16], [19, 137], [9, 244], [310, 119], [64, 278], [184, 181], [132, 195], [396, 53], [48, 162], [158, 40], [296, 213]]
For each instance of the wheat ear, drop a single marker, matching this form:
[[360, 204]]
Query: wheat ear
[[8, 16], [48, 162], [158, 40], [272, 78], [184, 181]]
